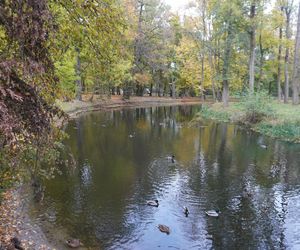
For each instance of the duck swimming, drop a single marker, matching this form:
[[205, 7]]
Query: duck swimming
[[186, 211], [171, 158], [213, 213], [164, 229], [153, 203], [246, 193], [74, 243], [132, 135], [263, 146]]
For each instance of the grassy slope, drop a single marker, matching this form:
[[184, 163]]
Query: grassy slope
[[283, 123]]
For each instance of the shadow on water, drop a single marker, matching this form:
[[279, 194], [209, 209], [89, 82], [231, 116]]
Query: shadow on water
[[121, 163]]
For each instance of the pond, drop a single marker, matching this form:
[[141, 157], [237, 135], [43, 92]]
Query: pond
[[121, 162]]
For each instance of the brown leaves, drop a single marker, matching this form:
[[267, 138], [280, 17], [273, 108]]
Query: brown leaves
[[15, 223], [27, 80], [22, 109], [28, 23]]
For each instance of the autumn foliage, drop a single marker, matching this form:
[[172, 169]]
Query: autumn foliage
[[27, 80]]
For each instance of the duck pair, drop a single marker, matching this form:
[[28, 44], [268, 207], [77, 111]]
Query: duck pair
[[155, 203]]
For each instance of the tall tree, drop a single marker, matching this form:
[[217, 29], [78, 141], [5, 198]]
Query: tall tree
[[252, 34], [226, 63], [296, 68], [85, 27], [279, 59], [288, 12], [150, 44]]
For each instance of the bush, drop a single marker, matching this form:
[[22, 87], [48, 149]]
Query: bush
[[256, 106]]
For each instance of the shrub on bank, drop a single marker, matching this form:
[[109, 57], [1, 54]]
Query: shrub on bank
[[256, 107], [262, 113]]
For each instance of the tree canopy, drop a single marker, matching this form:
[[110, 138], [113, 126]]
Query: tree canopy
[[55, 49]]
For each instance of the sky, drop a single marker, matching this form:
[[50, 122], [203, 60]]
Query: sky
[[179, 4], [176, 4]]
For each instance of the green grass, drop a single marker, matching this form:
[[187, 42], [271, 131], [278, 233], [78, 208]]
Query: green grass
[[215, 113], [275, 119]]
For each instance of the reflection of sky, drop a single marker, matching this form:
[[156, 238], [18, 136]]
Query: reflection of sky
[[291, 222], [86, 174]]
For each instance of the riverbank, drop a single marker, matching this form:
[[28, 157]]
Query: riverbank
[[16, 223], [74, 108], [274, 119]]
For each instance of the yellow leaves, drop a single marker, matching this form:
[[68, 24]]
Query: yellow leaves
[[142, 78], [3, 41], [189, 64]]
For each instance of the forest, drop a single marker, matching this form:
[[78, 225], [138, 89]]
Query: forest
[[60, 50], [241, 58]]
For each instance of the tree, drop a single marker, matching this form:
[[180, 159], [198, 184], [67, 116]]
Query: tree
[[93, 31], [296, 68], [279, 91], [228, 21], [288, 12], [150, 43], [252, 34]]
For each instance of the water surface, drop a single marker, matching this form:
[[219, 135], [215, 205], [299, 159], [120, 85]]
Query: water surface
[[121, 163]]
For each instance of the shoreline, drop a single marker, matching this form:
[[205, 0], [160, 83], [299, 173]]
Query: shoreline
[[16, 222], [75, 107]]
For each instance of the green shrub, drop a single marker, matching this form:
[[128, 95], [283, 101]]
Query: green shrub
[[256, 106]]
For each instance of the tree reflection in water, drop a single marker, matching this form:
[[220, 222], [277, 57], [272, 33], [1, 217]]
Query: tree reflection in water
[[222, 166]]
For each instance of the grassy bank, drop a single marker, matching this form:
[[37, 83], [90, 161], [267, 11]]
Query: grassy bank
[[262, 114]]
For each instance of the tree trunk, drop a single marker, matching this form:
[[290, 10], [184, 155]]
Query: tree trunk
[[202, 78], [252, 48], [151, 89], [225, 70], [137, 42], [202, 54], [160, 87], [212, 74], [287, 53], [261, 62], [279, 65], [296, 68], [211, 65], [78, 73], [173, 87]]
